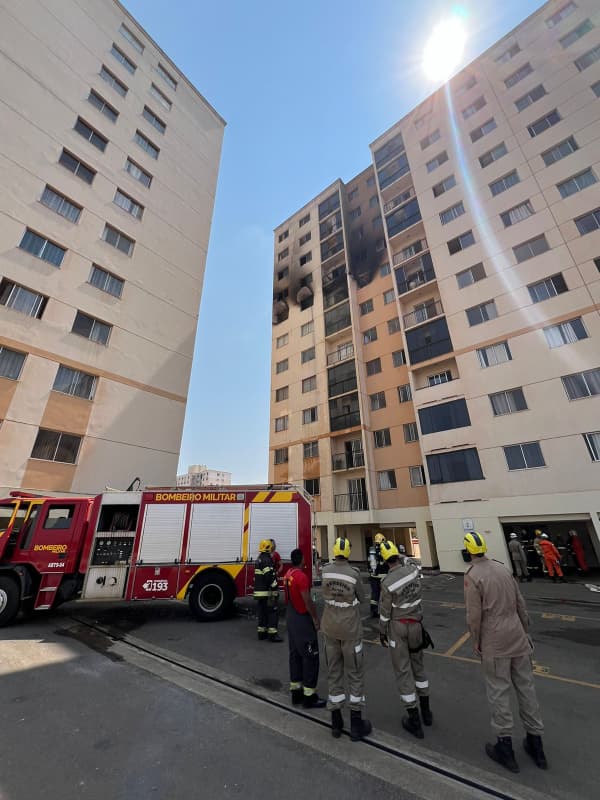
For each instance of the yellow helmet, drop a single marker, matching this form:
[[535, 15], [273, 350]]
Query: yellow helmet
[[342, 547], [388, 549], [265, 546], [379, 538], [537, 532], [475, 543]]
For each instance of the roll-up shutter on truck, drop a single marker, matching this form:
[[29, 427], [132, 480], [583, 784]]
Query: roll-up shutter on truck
[[162, 533], [277, 521], [216, 532]]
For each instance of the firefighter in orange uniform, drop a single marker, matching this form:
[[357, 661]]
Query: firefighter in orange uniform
[[551, 558]]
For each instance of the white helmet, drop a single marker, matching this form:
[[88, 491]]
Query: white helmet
[[544, 535], [513, 535]]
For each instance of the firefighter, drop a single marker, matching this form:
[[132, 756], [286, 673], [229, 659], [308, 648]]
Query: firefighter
[[342, 633], [498, 622], [401, 629], [377, 571], [577, 551], [519, 559], [266, 593], [551, 558], [277, 563], [302, 627]]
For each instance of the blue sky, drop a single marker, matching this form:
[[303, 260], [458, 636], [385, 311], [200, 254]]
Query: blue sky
[[304, 87]]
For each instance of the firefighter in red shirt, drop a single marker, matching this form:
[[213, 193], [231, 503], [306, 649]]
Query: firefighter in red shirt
[[302, 627]]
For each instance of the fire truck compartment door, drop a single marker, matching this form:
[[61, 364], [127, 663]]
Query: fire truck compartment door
[[105, 582], [162, 533], [277, 521], [216, 532]]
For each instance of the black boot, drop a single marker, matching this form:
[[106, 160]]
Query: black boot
[[313, 701], [562, 579], [297, 696], [275, 637], [426, 714], [502, 753], [554, 579], [337, 723], [262, 635], [534, 747], [359, 727], [412, 723]]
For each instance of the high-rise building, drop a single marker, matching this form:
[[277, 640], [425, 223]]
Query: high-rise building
[[109, 159], [201, 475], [436, 327]]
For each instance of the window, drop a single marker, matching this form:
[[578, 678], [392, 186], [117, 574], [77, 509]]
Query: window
[[508, 402], [352, 194], [508, 54], [113, 81], [304, 239], [355, 213], [420, 121], [283, 254], [561, 14], [440, 159], [494, 354], [386, 479], [307, 328], [309, 384], [534, 94], [565, 333], [128, 204], [393, 326], [138, 173], [439, 377], [59, 203], [471, 275], [311, 449], [11, 363], [371, 180], [54, 446], [281, 424], [122, 59], [576, 183], [370, 335], [118, 240], [570, 38], [281, 366], [476, 106], [461, 242], [106, 281], [281, 341], [281, 455], [373, 201], [549, 287], [155, 121], [504, 183], [493, 155], [133, 40], [444, 417], [105, 108], [309, 415], [167, 78], [577, 385], [433, 137], [281, 394], [304, 220], [481, 313], [468, 84], [482, 130], [21, 299], [404, 393], [524, 456], [518, 75], [588, 222], [458, 465], [561, 150], [595, 87], [305, 258], [377, 401], [517, 214], [283, 236], [162, 98], [398, 358], [384, 270], [90, 134], [283, 273], [307, 355], [411, 432], [91, 328], [73, 382], [76, 166], [42, 248], [417, 476], [374, 366], [542, 124], [146, 144], [534, 247], [382, 438], [388, 297], [444, 185], [592, 441], [312, 486], [366, 307], [452, 213]]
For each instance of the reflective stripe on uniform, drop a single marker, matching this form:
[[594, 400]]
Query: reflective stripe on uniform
[[308, 692], [295, 685], [263, 571], [358, 647], [261, 593], [402, 581], [337, 698], [422, 684], [409, 698], [261, 630], [383, 619], [272, 630], [354, 699], [392, 643], [406, 605], [341, 605], [339, 576]]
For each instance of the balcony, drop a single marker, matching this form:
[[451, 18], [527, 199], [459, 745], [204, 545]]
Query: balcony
[[336, 295], [415, 274], [343, 353], [337, 319], [330, 205], [398, 200], [405, 217], [334, 277], [388, 150], [351, 502], [410, 252], [332, 225], [329, 249], [428, 341], [343, 421], [427, 311], [343, 461]]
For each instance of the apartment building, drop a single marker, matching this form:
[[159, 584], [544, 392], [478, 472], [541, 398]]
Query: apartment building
[[436, 338], [201, 475], [109, 159]]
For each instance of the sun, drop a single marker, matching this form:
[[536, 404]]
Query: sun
[[444, 49]]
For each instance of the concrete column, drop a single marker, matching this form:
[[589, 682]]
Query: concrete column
[[427, 556], [596, 539], [331, 537]]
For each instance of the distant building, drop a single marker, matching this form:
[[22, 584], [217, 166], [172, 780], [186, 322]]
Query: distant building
[[201, 475]]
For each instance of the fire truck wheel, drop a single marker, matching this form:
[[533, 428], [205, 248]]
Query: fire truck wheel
[[10, 600], [211, 596]]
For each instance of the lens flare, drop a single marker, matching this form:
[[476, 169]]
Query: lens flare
[[444, 49]]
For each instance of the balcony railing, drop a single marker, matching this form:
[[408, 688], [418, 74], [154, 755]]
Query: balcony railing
[[398, 200], [328, 228], [336, 295], [431, 350], [419, 315], [341, 354], [410, 252], [342, 387], [331, 250], [342, 421], [351, 502], [415, 274], [340, 461]]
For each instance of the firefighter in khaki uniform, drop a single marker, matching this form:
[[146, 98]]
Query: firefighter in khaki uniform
[[498, 621], [266, 593], [342, 633]]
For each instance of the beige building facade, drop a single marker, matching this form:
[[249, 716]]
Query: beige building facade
[[108, 165], [201, 475], [452, 298]]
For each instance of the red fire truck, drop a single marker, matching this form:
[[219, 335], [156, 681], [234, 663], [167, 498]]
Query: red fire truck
[[197, 545]]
